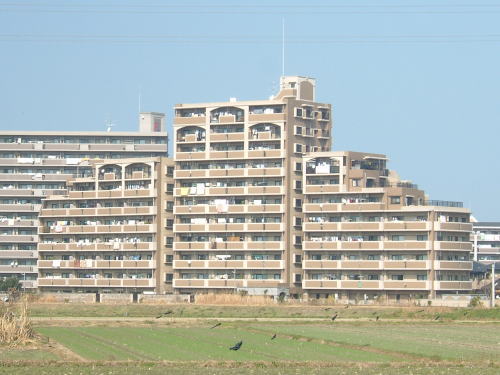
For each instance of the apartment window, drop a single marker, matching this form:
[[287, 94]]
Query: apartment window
[[356, 182], [186, 256], [298, 221], [257, 276], [298, 240], [170, 206], [397, 277], [277, 276], [169, 223], [373, 277], [297, 203], [298, 184], [373, 257], [421, 237], [353, 257], [333, 257], [395, 200], [298, 147], [298, 278], [421, 257], [298, 130], [397, 238], [396, 257], [422, 277], [297, 258], [298, 112], [170, 171], [169, 258], [354, 276], [170, 188], [316, 257], [169, 277], [298, 167]]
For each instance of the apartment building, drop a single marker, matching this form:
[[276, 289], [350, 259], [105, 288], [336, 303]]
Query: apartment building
[[238, 189], [370, 236], [108, 233], [36, 164], [486, 241]]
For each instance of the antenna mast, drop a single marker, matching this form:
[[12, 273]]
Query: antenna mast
[[283, 47]]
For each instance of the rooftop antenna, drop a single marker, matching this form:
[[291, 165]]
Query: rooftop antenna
[[283, 47], [140, 100], [109, 125]]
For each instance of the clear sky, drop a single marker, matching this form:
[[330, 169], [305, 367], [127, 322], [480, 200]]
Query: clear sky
[[418, 81]]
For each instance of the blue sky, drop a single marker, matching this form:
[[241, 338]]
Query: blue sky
[[418, 81]]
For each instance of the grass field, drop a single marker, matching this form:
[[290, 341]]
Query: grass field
[[403, 341], [276, 311]]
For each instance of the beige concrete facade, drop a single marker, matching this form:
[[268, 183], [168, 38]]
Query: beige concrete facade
[[37, 164], [369, 236], [107, 234], [238, 194]]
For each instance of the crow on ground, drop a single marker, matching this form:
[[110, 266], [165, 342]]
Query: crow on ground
[[420, 311], [274, 336], [215, 326], [236, 346], [328, 308], [437, 317], [334, 317], [377, 318], [168, 312]]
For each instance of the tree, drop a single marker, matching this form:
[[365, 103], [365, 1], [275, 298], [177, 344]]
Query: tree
[[9, 283]]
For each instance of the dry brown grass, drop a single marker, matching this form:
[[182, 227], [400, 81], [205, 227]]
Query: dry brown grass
[[233, 299], [15, 325]]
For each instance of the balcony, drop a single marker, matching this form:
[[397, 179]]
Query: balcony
[[273, 153], [226, 137], [229, 245], [19, 207], [103, 246], [225, 283], [407, 284], [455, 227], [96, 264], [18, 254], [105, 211], [19, 224], [101, 283], [193, 120], [195, 155], [407, 245], [317, 189], [453, 285], [136, 228], [229, 264], [453, 246], [231, 208], [18, 269], [229, 227], [407, 265], [345, 207], [266, 117], [15, 238], [452, 265], [234, 154]]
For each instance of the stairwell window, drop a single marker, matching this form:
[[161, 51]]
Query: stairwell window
[[395, 200]]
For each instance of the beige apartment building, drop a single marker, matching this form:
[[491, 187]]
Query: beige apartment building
[[238, 189], [370, 236], [108, 234], [37, 164]]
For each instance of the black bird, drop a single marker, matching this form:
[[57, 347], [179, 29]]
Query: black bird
[[236, 346], [274, 336], [168, 312], [328, 308], [159, 316], [437, 317], [465, 313], [334, 317], [377, 318], [420, 311], [217, 325]]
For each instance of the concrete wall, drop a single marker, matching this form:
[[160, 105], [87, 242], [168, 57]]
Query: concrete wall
[[116, 298], [158, 299], [67, 297]]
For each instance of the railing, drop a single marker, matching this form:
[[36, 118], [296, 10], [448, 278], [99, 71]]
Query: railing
[[444, 203]]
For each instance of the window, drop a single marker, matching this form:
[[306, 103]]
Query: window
[[421, 237], [298, 130], [396, 257], [298, 112], [373, 277], [297, 258], [397, 238], [297, 203], [356, 182], [298, 240], [397, 277], [169, 277], [422, 277], [298, 221], [373, 257], [298, 278], [298, 184], [170, 171], [316, 257], [169, 258], [298, 147], [298, 167], [421, 257], [395, 200]]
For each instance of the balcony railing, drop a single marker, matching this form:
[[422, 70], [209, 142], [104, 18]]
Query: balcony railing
[[444, 203]]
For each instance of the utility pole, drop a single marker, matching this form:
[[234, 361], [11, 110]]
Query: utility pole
[[493, 284]]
